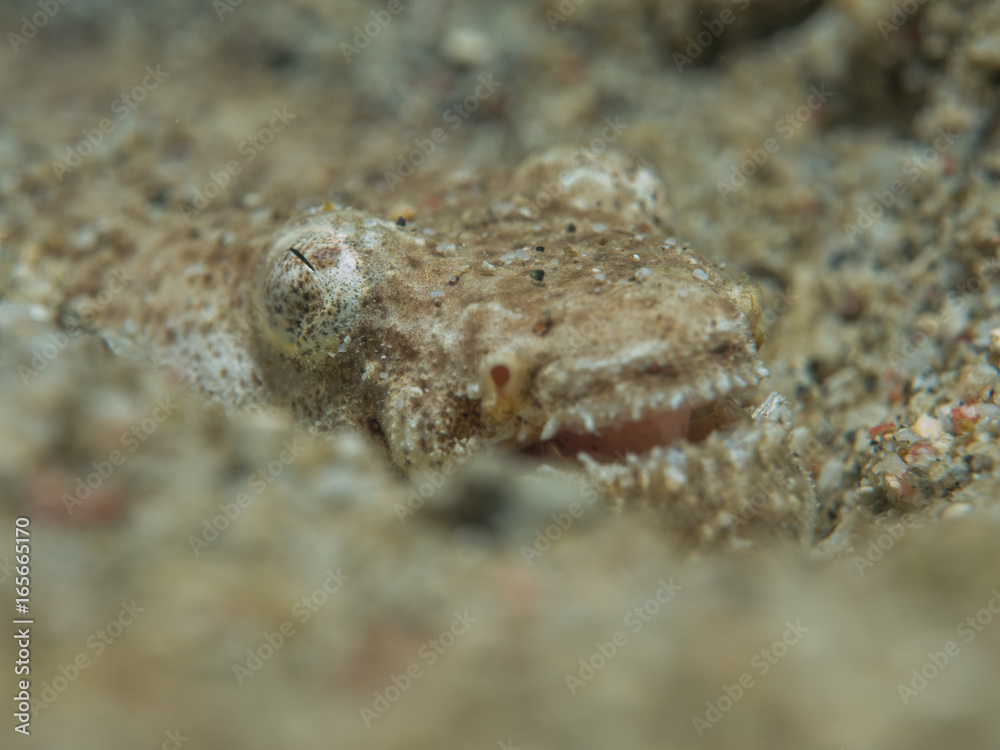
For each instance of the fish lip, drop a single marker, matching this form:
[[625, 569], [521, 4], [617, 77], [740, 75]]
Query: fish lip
[[736, 489], [596, 390]]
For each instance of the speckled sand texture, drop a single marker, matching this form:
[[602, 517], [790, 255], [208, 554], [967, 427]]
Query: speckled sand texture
[[235, 581]]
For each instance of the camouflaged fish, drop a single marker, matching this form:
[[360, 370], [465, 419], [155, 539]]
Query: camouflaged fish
[[555, 317]]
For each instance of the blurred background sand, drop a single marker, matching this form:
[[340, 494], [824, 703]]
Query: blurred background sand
[[315, 619]]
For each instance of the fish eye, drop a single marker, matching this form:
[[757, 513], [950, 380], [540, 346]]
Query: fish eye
[[310, 289]]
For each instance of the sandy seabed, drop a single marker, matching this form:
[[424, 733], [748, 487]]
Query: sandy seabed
[[845, 155]]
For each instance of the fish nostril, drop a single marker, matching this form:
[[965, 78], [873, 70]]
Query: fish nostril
[[500, 375], [503, 383]]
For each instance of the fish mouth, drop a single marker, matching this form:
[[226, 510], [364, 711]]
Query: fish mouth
[[622, 440], [710, 474], [640, 417], [672, 445]]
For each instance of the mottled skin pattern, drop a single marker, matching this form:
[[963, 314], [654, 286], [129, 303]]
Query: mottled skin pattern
[[559, 303]]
